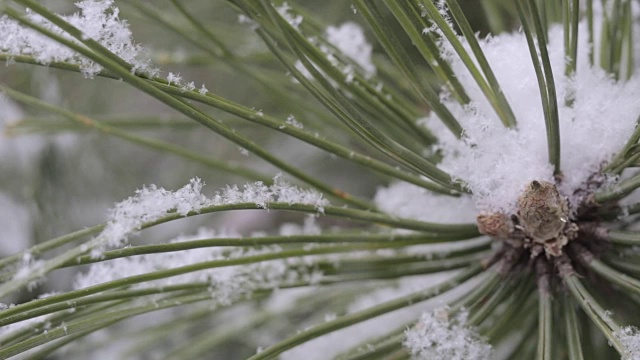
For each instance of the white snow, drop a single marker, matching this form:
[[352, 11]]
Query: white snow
[[174, 79], [630, 339], [291, 120], [98, 20], [497, 162], [436, 336], [152, 203]]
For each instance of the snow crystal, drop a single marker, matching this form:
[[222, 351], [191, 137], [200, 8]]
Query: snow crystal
[[151, 203], [350, 40], [497, 162], [630, 339], [174, 79], [98, 20], [189, 87], [436, 336], [291, 120]]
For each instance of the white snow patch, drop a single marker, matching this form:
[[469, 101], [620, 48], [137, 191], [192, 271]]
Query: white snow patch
[[497, 162], [436, 336], [630, 339], [98, 20]]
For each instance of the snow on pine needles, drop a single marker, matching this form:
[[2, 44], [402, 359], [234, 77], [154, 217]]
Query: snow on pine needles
[[98, 20], [435, 336], [497, 162], [152, 203], [228, 283]]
